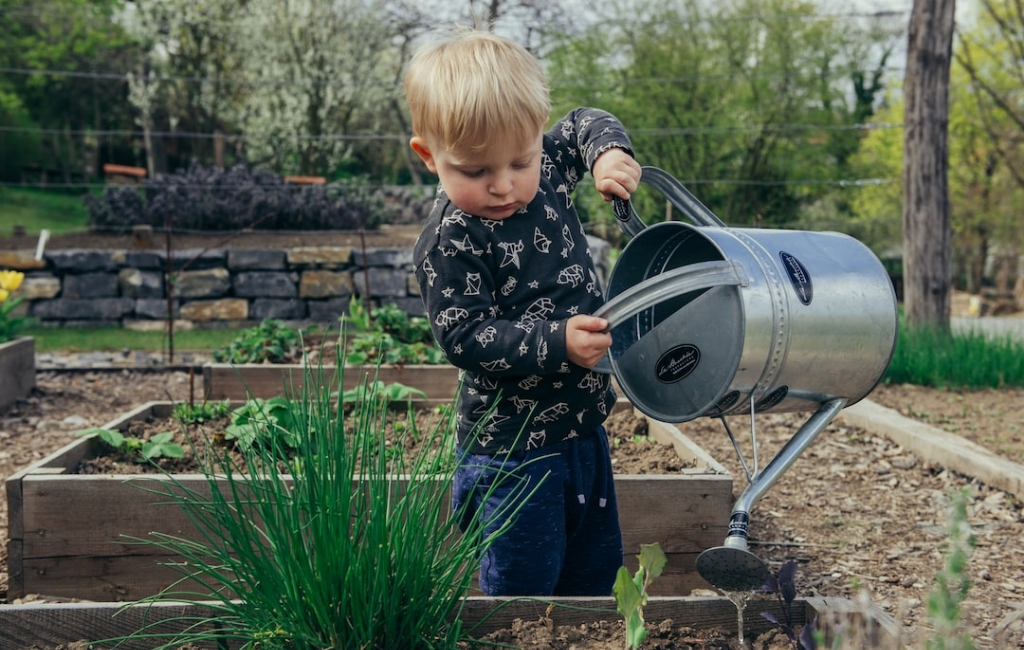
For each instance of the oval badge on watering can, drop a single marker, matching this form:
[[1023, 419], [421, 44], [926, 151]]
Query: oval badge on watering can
[[677, 363], [799, 276]]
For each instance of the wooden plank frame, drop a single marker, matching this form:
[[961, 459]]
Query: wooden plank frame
[[17, 369], [27, 626]]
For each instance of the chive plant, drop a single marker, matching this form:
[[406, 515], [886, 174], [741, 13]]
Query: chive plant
[[354, 548]]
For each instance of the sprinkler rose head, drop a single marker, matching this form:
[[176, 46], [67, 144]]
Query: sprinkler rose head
[[732, 569]]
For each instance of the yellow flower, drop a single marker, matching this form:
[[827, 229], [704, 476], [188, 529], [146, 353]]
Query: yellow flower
[[10, 280], [3, 294]]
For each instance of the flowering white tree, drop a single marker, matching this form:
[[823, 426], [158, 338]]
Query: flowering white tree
[[188, 79], [326, 75]]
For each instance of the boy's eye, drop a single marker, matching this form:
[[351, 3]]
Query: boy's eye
[[473, 173]]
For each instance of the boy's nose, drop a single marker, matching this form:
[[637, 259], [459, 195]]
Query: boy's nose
[[501, 185]]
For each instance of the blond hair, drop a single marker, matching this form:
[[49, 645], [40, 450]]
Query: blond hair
[[472, 87]]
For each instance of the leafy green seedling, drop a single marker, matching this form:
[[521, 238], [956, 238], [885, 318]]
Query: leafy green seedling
[[631, 591], [380, 392], [272, 341], [158, 446], [262, 421], [952, 582], [111, 438], [386, 334], [198, 413], [783, 585]]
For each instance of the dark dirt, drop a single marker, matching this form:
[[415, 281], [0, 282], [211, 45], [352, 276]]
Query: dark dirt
[[633, 452], [542, 634]]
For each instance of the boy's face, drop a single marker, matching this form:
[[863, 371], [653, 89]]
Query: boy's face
[[493, 184]]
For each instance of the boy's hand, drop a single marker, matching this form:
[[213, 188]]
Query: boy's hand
[[615, 174], [586, 340]]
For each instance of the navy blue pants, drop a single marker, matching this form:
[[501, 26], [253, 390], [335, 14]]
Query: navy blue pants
[[565, 540]]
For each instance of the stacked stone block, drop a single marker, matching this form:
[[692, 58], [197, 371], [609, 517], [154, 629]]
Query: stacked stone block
[[210, 288], [217, 287]]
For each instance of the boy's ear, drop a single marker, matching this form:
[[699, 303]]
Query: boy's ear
[[419, 145]]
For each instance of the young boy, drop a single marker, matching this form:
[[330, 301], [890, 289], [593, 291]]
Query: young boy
[[508, 282]]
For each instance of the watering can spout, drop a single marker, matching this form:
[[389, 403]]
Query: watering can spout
[[731, 566]]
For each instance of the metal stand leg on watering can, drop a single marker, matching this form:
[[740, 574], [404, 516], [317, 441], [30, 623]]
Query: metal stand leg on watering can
[[713, 321]]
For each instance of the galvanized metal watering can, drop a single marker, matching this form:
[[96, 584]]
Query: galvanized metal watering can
[[708, 320]]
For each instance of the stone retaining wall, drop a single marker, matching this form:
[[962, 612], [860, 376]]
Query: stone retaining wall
[[216, 288]]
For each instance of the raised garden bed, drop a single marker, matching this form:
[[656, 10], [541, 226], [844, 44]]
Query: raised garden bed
[[48, 625], [67, 531], [17, 369]]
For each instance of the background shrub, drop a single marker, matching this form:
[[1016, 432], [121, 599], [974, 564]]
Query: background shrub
[[208, 198]]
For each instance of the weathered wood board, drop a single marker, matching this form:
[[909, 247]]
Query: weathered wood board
[[17, 369], [27, 626]]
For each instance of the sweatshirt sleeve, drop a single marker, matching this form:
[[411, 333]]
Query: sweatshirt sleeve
[[581, 137]]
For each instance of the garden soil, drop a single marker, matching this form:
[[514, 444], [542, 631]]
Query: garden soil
[[860, 515]]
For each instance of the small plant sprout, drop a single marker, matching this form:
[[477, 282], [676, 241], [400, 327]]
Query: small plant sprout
[[158, 446], [381, 392], [386, 334], [952, 583], [263, 422], [201, 412], [631, 592], [783, 585], [270, 342]]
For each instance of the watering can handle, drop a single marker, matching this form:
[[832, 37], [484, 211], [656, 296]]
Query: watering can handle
[[675, 282], [680, 197], [627, 218]]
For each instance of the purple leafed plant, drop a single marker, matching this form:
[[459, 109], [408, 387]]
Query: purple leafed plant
[[783, 585], [209, 198]]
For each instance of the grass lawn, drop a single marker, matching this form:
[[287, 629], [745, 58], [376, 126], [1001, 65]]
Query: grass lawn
[[110, 339], [58, 212]]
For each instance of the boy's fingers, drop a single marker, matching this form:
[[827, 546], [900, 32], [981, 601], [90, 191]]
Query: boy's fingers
[[593, 324], [610, 189]]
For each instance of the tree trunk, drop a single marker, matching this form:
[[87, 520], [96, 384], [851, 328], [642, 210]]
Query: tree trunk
[[926, 220]]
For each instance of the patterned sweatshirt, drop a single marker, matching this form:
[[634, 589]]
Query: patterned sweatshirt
[[498, 294]]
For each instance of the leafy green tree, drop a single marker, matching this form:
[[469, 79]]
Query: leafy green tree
[[70, 45], [21, 144], [187, 79], [877, 207], [751, 104], [990, 61], [328, 71], [983, 195]]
